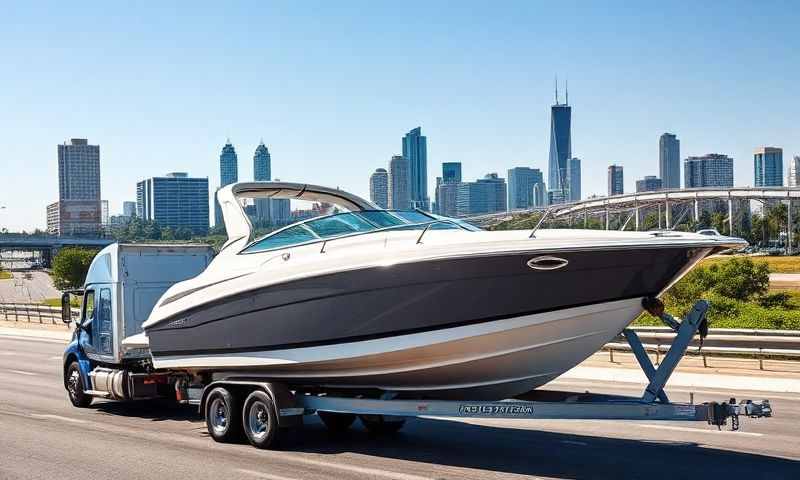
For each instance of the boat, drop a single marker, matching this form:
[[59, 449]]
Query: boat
[[406, 302]]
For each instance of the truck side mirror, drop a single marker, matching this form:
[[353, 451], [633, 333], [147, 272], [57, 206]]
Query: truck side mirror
[[66, 308]]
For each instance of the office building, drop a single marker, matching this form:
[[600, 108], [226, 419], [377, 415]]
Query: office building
[[379, 188], [399, 183], [669, 161], [486, 195], [104, 213], [79, 205], [262, 172], [768, 167], [711, 170], [447, 200], [451, 172], [525, 188], [574, 175], [650, 183], [174, 200], [794, 172], [53, 220], [415, 150], [128, 209], [615, 180], [228, 173], [560, 150]]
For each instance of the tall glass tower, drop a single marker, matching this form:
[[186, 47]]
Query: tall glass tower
[[669, 161], [228, 173], [768, 167], [560, 149], [415, 150], [262, 172]]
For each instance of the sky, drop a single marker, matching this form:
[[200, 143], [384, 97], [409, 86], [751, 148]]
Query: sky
[[332, 87]]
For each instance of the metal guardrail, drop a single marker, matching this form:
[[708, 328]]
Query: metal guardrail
[[33, 313]]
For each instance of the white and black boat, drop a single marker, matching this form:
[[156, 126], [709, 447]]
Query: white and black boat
[[408, 302]]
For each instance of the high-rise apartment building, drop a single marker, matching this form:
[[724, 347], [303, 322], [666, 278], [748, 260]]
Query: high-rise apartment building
[[560, 150], [669, 161], [399, 183], [768, 167], [262, 172], [415, 150], [79, 204], [616, 184], [574, 175], [104, 213], [379, 188], [650, 183], [228, 173], [128, 209], [486, 195], [525, 188], [174, 200], [710, 170], [794, 172]]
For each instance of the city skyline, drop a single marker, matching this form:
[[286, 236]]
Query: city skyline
[[166, 100]]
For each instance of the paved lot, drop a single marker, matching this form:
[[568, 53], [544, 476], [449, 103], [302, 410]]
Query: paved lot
[[42, 436], [22, 289]]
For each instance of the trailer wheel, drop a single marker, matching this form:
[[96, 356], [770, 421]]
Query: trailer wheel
[[337, 422], [382, 424], [74, 383], [222, 419], [260, 420]]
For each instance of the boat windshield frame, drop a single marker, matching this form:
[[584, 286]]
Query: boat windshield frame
[[434, 219]]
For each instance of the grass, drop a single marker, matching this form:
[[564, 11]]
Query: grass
[[56, 302], [776, 264], [5, 275]]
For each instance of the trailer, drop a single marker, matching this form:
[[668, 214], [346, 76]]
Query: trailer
[[108, 358]]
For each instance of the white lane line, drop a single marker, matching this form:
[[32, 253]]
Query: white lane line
[[374, 472], [33, 339], [22, 372], [573, 442], [266, 476], [56, 357], [57, 417], [698, 430]]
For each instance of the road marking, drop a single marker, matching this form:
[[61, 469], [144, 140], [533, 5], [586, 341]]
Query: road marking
[[266, 476], [698, 430], [374, 472], [56, 357], [57, 417], [573, 442], [22, 372]]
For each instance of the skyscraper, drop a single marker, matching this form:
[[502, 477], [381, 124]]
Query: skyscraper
[[794, 172], [669, 161], [768, 167], [650, 183], [615, 180], [78, 210], [399, 183], [174, 200], [486, 195], [228, 173], [560, 150], [522, 188], [415, 150], [379, 188], [451, 172], [445, 192], [262, 172], [574, 175], [128, 209], [710, 170]]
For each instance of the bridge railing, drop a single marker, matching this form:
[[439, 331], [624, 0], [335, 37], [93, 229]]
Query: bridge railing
[[33, 313]]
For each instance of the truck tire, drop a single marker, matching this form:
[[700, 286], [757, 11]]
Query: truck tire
[[260, 420], [381, 424], [337, 422], [222, 416], [73, 381]]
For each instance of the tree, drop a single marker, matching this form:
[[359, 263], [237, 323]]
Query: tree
[[183, 233], [70, 266]]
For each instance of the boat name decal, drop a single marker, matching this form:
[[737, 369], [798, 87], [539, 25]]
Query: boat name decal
[[491, 410], [178, 323]]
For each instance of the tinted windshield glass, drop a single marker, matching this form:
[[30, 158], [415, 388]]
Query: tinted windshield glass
[[350, 223]]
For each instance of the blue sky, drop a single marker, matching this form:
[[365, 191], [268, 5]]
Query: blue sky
[[331, 87]]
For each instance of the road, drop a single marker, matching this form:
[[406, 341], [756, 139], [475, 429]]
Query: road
[[43, 437], [34, 289]]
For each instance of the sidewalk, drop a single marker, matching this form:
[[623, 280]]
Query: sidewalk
[[35, 330]]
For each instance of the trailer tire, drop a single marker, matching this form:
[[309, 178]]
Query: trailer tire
[[222, 416], [381, 424], [260, 420], [337, 422], [73, 380]]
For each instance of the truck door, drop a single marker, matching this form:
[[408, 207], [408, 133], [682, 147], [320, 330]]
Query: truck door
[[97, 316]]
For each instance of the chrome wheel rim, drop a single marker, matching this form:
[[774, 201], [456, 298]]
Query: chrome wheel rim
[[218, 416], [258, 420], [72, 383]]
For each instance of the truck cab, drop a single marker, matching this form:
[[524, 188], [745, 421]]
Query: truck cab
[[122, 286]]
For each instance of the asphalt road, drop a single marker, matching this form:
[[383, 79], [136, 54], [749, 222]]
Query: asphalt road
[[34, 289], [43, 437]]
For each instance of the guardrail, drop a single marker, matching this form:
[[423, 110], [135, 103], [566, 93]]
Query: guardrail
[[757, 344], [33, 313]]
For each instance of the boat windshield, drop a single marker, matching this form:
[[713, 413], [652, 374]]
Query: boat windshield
[[353, 223]]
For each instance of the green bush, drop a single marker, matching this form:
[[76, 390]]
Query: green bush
[[70, 266]]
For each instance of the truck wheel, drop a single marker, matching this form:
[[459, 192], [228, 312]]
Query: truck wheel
[[74, 383], [337, 422], [260, 420], [222, 419], [382, 424]]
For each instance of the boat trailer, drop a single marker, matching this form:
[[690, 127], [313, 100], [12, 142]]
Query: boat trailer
[[389, 412]]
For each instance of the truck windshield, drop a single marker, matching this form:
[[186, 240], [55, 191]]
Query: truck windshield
[[352, 223]]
